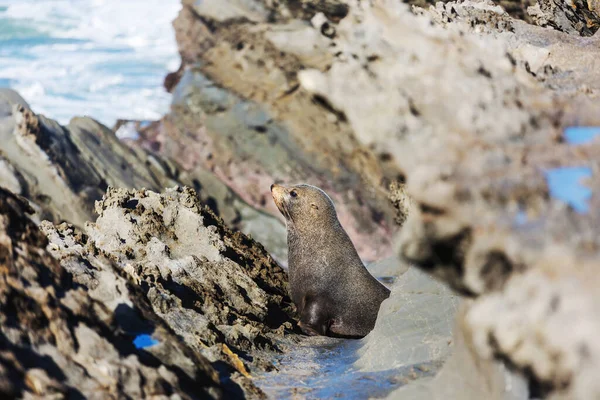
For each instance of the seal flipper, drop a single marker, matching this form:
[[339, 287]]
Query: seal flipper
[[308, 330], [338, 328], [314, 318]]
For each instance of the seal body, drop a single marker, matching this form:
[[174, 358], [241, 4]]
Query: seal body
[[334, 293]]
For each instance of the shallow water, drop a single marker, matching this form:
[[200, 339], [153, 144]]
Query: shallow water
[[103, 58], [406, 344], [567, 185], [323, 368]]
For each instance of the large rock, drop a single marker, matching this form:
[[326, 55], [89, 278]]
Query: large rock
[[466, 376], [414, 325], [237, 112], [220, 292], [461, 104], [559, 60], [62, 170], [575, 17], [217, 290], [56, 341], [470, 104]]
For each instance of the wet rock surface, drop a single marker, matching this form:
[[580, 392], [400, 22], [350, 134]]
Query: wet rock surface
[[464, 375], [410, 342], [413, 327]]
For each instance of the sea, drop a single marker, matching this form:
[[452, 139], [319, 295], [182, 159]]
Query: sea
[[100, 58]]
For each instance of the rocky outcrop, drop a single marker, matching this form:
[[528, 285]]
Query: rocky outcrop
[[161, 271], [57, 341], [515, 8], [237, 112], [476, 128], [156, 298], [63, 170], [159, 268], [576, 17], [462, 108], [218, 291]]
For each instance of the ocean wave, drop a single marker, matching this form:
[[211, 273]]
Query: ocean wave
[[101, 58]]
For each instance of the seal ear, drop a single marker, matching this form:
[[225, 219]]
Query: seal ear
[[313, 205]]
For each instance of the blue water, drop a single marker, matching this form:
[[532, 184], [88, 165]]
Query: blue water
[[565, 184], [143, 341], [581, 134], [102, 58], [322, 368], [521, 218]]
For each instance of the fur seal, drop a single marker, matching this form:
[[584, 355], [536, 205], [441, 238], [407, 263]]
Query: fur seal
[[333, 291]]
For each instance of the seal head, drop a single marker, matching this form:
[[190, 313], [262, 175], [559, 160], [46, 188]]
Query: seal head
[[333, 291], [303, 205]]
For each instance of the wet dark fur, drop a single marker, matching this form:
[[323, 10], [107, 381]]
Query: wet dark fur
[[333, 291]]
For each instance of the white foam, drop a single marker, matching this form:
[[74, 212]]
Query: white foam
[[102, 58], [127, 131]]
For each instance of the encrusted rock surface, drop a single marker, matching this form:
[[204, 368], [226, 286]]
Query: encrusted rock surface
[[56, 341], [562, 62], [575, 16], [459, 108], [63, 170], [515, 8], [237, 111], [218, 291], [475, 131]]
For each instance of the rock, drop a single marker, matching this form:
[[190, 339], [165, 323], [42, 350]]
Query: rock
[[388, 269], [557, 59], [515, 8], [518, 8], [237, 112], [461, 103], [466, 376], [414, 325], [450, 97], [63, 170], [217, 290], [249, 10], [58, 342], [576, 17], [233, 313], [401, 202]]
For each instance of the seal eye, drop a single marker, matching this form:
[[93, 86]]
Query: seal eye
[[293, 193]]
